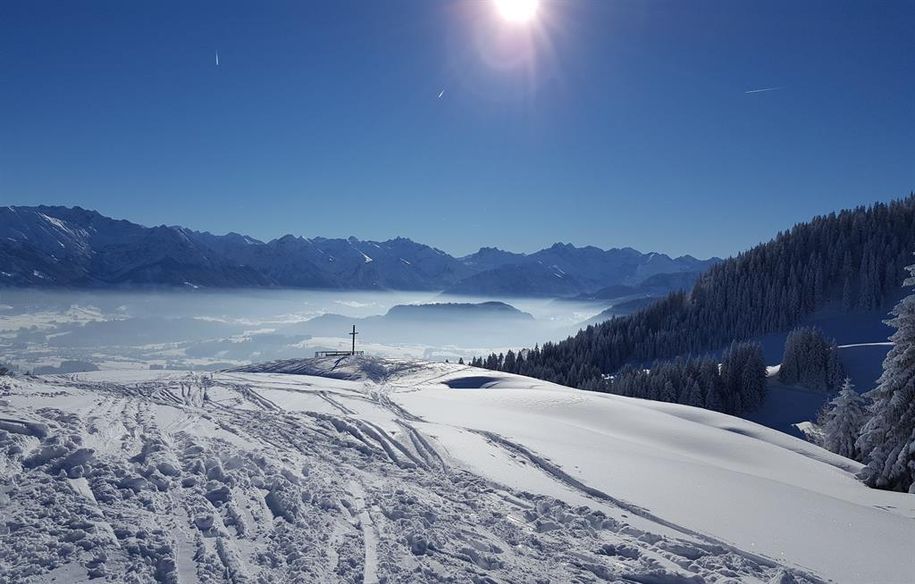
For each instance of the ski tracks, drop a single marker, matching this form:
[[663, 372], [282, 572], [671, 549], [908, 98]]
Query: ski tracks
[[252, 492], [703, 543], [369, 533]]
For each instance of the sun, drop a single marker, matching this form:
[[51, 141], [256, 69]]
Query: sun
[[518, 11]]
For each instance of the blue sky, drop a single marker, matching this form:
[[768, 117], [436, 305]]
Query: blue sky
[[605, 122]]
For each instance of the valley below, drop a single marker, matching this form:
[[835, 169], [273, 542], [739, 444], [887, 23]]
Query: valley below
[[47, 331]]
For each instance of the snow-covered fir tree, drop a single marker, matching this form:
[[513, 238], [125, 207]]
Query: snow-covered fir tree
[[811, 360], [693, 394], [844, 418], [887, 440]]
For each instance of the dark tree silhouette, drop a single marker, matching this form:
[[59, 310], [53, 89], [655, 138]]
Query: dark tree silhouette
[[811, 360]]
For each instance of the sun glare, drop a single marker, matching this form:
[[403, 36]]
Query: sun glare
[[518, 11]]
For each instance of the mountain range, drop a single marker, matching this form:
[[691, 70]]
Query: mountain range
[[51, 246]]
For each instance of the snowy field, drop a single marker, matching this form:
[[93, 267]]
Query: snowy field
[[370, 470]]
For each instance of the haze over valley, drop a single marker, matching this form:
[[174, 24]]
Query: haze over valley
[[213, 329]]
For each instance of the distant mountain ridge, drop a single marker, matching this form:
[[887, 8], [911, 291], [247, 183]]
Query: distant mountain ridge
[[51, 246]]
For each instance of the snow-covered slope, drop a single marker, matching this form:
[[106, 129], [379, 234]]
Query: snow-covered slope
[[365, 470]]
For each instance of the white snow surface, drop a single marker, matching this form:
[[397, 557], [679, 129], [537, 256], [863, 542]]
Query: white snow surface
[[372, 470]]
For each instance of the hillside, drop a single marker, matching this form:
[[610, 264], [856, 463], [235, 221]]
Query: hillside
[[657, 285], [75, 248], [849, 263], [625, 300], [252, 476]]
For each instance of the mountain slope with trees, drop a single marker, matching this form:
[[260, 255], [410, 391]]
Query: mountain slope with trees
[[853, 260]]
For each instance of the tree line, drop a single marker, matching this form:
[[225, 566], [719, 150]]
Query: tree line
[[736, 385], [733, 384]]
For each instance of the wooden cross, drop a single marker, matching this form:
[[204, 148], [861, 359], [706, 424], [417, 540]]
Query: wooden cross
[[353, 334]]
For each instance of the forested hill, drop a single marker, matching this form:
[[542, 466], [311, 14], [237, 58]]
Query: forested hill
[[853, 260]]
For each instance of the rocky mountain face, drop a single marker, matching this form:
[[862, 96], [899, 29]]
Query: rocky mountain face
[[73, 247]]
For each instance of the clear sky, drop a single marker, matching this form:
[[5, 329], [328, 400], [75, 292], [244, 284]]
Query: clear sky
[[604, 122]]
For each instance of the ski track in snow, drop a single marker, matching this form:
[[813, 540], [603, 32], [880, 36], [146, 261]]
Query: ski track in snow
[[254, 478]]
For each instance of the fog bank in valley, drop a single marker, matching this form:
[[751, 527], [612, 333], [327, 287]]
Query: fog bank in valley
[[67, 331]]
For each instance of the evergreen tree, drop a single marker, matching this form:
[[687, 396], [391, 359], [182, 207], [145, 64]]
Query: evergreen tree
[[842, 422], [508, 364], [669, 393], [811, 360], [692, 395], [709, 373], [753, 383], [887, 441]]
